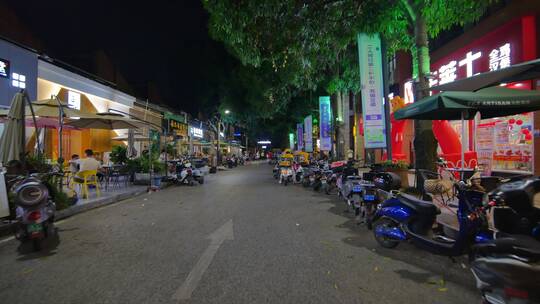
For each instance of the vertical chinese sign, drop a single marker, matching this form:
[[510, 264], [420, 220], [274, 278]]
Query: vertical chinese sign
[[371, 84], [308, 130], [300, 136], [325, 123]]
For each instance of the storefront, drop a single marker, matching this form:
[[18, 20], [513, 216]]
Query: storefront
[[505, 144], [177, 132], [86, 95], [502, 145], [153, 119], [196, 138]]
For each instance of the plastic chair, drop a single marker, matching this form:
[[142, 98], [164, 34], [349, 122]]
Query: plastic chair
[[86, 178]]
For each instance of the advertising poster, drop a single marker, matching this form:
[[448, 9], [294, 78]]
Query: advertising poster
[[325, 122], [371, 85], [308, 131], [300, 136], [485, 144]]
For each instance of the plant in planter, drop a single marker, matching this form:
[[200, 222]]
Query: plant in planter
[[119, 155], [400, 168], [143, 166]]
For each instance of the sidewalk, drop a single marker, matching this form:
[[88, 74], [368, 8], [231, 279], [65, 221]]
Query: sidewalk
[[107, 197]]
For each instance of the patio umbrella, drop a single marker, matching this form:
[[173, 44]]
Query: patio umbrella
[[106, 121], [454, 105], [518, 72], [13, 140]]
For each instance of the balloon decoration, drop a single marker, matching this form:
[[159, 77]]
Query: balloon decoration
[[446, 136], [397, 127]]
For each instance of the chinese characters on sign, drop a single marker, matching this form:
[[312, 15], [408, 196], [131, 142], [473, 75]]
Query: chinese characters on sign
[[325, 123], [300, 136], [500, 58], [470, 63], [308, 138], [371, 84], [178, 128]]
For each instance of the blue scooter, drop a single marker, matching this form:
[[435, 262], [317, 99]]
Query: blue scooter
[[404, 217]]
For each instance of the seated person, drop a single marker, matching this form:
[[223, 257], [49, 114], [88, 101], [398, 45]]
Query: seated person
[[89, 163], [74, 163]]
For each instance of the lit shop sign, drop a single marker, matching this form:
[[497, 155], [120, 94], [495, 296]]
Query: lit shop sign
[[4, 68], [495, 50], [497, 58], [264, 142], [178, 128], [196, 132], [74, 100]]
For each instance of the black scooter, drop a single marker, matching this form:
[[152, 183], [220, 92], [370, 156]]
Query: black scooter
[[514, 209], [507, 270]]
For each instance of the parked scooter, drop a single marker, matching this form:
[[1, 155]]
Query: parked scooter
[[184, 173], [514, 209], [507, 270], [286, 175], [35, 211], [404, 217]]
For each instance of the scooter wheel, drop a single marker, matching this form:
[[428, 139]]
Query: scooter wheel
[[201, 180], [384, 241]]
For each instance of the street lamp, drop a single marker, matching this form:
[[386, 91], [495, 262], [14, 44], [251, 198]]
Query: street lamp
[[227, 111]]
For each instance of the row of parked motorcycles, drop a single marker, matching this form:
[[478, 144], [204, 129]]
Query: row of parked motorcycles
[[186, 171], [499, 228]]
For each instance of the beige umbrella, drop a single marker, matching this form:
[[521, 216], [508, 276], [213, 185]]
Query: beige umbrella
[[107, 121], [13, 139]]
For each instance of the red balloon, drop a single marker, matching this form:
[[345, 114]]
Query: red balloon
[[525, 131], [511, 121], [519, 122], [528, 136]]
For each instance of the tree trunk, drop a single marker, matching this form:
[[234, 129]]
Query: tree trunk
[[425, 144]]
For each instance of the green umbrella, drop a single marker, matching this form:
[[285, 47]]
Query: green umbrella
[[454, 105], [12, 141]]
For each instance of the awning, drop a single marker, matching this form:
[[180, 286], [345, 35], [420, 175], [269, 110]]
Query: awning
[[454, 105]]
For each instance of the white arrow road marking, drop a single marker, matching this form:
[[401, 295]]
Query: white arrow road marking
[[217, 238]]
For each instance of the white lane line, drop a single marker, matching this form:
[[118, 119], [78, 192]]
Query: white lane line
[[7, 239], [217, 238]]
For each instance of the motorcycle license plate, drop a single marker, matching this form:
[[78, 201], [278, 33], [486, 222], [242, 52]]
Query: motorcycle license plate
[[35, 228], [357, 188], [369, 197]]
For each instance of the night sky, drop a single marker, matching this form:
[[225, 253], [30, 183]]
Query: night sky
[[165, 42]]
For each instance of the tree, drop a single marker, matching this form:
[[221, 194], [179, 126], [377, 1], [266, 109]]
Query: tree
[[306, 42]]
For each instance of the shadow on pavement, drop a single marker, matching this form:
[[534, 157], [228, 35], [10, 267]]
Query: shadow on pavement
[[442, 266], [49, 246]]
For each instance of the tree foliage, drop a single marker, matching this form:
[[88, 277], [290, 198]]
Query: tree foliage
[[292, 47]]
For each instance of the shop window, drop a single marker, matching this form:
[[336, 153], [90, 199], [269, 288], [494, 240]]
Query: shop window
[[504, 143], [18, 80]]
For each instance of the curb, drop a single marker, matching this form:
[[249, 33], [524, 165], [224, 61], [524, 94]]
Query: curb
[[7, 229], [71, 211]]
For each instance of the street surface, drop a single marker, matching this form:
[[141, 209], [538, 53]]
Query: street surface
[[239, 238]]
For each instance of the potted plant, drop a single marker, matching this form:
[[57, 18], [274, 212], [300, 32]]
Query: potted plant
[[143, 166], [119, 155]]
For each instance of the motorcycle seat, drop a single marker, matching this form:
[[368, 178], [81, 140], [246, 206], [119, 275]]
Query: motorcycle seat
[[519, 245], [420, 206]]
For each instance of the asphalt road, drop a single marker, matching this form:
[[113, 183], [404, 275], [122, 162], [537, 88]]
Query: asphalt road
[[239, 238]]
